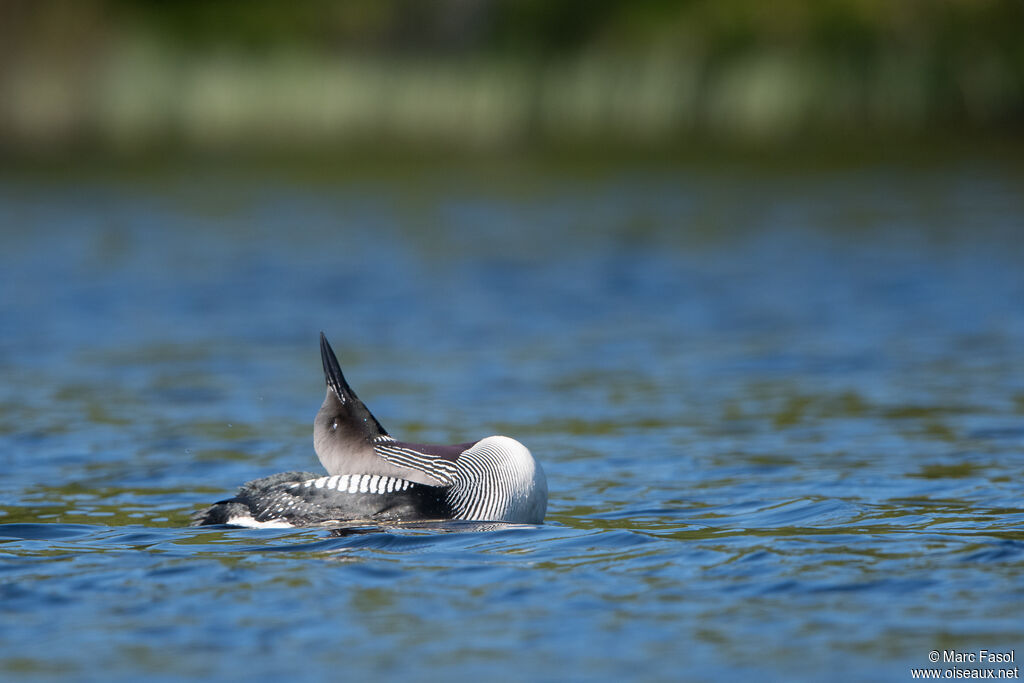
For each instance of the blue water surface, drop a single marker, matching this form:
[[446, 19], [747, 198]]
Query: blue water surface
[[781, 412]]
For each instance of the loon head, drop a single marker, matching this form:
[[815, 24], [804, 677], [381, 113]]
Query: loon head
[[343, 421], [345, 432], [344, 429]]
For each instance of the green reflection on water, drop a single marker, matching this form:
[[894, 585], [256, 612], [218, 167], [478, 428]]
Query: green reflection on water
[[77, 503], [956, 471]]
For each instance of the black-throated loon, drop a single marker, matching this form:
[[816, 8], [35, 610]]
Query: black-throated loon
[[373, 477]]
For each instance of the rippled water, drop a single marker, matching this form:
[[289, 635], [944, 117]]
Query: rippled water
[[781, 413]]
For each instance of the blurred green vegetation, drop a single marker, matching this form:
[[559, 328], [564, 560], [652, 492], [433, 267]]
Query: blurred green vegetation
[[498, 76]]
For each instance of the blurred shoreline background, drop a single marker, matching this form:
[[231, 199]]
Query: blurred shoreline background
[[498, 78]]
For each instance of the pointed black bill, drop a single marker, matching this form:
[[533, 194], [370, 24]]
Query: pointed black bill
[[356, 411], [332, 372]]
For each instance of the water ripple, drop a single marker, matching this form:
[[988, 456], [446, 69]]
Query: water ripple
[[781, 430]]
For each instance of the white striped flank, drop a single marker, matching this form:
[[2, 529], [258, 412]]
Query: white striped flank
[[356, 483], [497, 480]]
